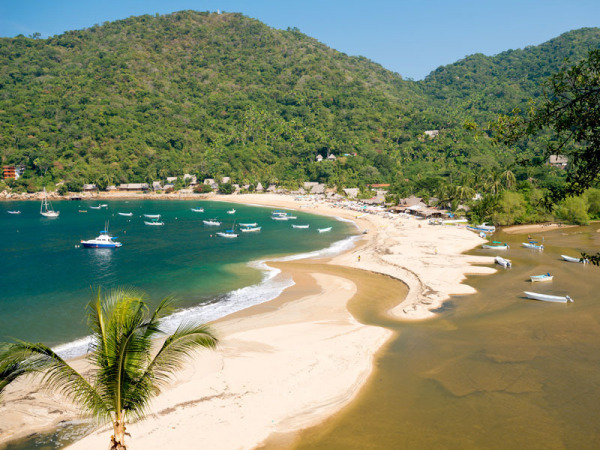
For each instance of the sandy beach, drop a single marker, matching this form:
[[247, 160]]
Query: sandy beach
[[290, 363]]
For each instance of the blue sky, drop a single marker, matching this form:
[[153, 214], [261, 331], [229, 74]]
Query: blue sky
[[409, 37]]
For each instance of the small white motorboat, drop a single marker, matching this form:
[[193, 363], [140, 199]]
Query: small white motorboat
[[572, 259], [152, 216], [548, 298], [279, 217], [533, 246], [227, 234], [250, 229], [300, 226], [14, 212], [197, 209], [125, 214], [96, 207], [104, 205], [538, 278], [249, 225], [154, 222], [482, 228], [503, 262], [231, 211], [212, 222], [496, 246], [324, 230]]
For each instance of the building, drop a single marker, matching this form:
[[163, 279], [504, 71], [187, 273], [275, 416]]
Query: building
[[351, 192], [171, 179], [89, 187], [13, 172], [193, 180], [331, 158], [156, 186], [134, 187], [259, 187], [558, 161], [431, 133]]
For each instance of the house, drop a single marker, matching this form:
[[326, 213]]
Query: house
[[431, 133], [226, 180], [89, 187], [331, 158], [259, 187], [171, 179], [351, 192], [156, 186], [316, 188], [272, 188], [133, 187], [410, 201], [169, 187], [193, 180], [13, 172], [236, 188], [319, 158], [111, 188], [558, 161]]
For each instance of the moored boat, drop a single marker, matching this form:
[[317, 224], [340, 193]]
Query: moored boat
[[250, 225], [496, 246], [482, 228], [197, 209], [572, 259], [279, 217], [46, 209], [212, 222], [231, 211], [533, 246], [324, 230], [96, 207], [14, 212], [300, 226], [548, 298], [125, 214], [152, 216], [503, 262], [104, 240], [154, 222], [227, 234], [539, 278], [250, 229]]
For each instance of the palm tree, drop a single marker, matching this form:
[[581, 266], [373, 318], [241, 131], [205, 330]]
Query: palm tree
[[124, 376]]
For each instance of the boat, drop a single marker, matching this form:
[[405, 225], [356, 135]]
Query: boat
[[14, 212], [250, 229], [46, 209], [104, 205], [279, 217], [253, 224], [538, 278], [212, 222], [279, 213], [324, 230], [576, 260], [152, 216], [496, 246], [231, 211], [197, 209], [300, 226], [533, 246], [483, 227], [291, 217], [503, 262], [104, 240], [548, 298], [154, 222], [95, 207], [227, 234], [126, 214]]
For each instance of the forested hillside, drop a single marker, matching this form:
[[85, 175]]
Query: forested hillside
[[224, 95]]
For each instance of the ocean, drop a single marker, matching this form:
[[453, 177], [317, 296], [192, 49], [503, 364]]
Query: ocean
[[47, 278]]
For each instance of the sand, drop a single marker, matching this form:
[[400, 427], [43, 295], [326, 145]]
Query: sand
[[290, 363]]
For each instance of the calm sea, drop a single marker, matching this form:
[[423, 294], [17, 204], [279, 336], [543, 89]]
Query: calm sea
[[46, 278]]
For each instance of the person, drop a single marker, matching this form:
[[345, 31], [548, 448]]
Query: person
[[358, 258]]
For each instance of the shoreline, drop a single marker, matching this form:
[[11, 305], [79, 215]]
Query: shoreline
[[427, 259]]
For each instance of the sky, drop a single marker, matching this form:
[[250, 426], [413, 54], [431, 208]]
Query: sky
[[411, 38]]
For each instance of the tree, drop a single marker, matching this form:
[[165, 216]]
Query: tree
[[125, 375]]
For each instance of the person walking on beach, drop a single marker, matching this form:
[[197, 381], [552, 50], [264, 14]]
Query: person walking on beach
[[358, 258]]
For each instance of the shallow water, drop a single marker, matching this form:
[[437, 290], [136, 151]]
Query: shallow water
[[493, 371]]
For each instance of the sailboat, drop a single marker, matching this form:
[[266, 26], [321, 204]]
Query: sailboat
[[46, 209]]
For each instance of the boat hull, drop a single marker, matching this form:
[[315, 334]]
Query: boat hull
[[540, 278], [548, 298], [96, 245], [572, 259]]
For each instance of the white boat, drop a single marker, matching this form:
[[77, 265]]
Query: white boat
[[572, 259], [250, 229], [539, 278], [212, 222], [291, 217], [495, 246], [231, 211], [46, 209], [548, 298], [279, 218], [483, 227], [104, 205], [197, 209], [250, 225], [95, 207], [279, 213], [503, 262], [14, 212], [227, 234], [300, 226], [104, 240], [152, 216], [324, 230], [126, 214], [533, 246], [155, 222]]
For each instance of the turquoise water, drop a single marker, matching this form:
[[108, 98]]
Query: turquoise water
[[46, 279]]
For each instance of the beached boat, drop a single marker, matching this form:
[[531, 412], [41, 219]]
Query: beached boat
[[300, 226], [482, 228], [227, 234], [503, 262], [540, 278], [324, 230], [533, 246], [104, 240], [575, 260], [212, 222], [197, 209], [231, 211], [496, 246], [152, 216], [46, 209], [14, 212], [548, 298], [250, 229], [250, 225], [125, 214]]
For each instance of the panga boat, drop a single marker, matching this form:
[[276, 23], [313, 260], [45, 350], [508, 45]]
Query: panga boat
[[496, 246], [548, 298], [126, 214], [250, 229], [197, 209], [46, 209], [96, 207], [250, 225], [231, 211], [14, 212], [154, 222], [483, 227], [279, 217], [324, 230], [105, 240], [152, 216], [538, 278], [300, 226], [533, 246], [572, 259], [212, 222], [503, 262], [227, 234]]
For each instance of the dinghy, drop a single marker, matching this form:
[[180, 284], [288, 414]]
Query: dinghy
[[212, 222], [576, 260], [503, 262], [533, 246], [495, 246], [324, 230], [250, 229], [300, 226], [125, 214], [548, 298], [538, 278], [197, 209]]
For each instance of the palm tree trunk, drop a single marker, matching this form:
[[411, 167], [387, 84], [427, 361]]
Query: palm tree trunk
[[117, 440]]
